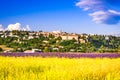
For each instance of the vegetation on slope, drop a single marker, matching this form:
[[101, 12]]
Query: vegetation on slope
[[21, 41]]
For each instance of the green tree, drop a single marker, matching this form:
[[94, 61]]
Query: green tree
[[1, 49], [51, 36], [52, 41], [47, 49], [101, 49]]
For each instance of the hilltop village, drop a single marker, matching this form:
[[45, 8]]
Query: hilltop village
[[56, 41]]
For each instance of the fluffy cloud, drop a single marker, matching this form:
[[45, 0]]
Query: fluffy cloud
[[1, 27], [99, 11], [17, 26]]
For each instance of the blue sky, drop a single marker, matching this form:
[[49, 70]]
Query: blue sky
[[77, 16]]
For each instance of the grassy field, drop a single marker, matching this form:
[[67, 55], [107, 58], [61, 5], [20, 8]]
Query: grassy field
[[37, 68], [4, 47]]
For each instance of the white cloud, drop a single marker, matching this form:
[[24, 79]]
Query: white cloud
[[100, 12], [1, 27], [106, 17], [16, 26], [99, 16], [114, 12], [27, 28], [90, 4]]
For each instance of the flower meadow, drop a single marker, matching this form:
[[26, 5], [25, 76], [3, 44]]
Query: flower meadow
[[54, 68], [65, 55]]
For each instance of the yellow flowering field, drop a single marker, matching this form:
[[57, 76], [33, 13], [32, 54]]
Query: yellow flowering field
[[38, 68]]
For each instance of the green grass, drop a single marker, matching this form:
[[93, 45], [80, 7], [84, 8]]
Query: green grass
[[37, 68]]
